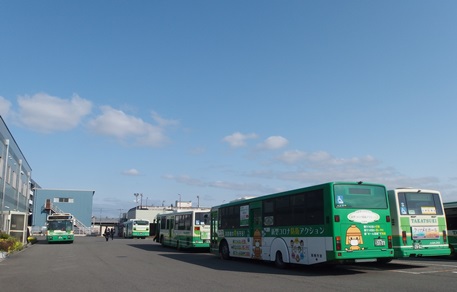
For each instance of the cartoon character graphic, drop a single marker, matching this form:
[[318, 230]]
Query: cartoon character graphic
[[257, 244], [298, 248], [354, 238]]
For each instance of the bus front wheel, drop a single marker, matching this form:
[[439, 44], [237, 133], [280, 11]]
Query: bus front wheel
[[224, 251]]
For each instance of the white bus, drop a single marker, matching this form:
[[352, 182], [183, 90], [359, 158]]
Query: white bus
[[59, 228], [136, 228], [184, 229], [418, 223]]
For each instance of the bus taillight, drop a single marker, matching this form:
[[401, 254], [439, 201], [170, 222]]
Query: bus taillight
[[338, 243], [389, 241], [403, 236], [337, 218], [444, 236], [387, 218], [197, 228]]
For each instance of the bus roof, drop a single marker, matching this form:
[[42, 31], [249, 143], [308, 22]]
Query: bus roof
[[415, 190], [450, 205], [289, 192], [174, 212], [56, 216]]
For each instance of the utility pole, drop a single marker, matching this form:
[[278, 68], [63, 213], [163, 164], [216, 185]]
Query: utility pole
[[3, 222]]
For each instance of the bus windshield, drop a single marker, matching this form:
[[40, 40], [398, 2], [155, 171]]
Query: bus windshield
[[201, 218], [360, 197], [420, 204], [60, 225], [141, 222]]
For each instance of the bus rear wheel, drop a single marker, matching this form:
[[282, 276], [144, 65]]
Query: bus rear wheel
[[453, 254], [279, 262], [384, 260], [224, 251]]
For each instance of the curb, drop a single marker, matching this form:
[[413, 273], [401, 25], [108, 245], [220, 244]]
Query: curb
[[4, 255]]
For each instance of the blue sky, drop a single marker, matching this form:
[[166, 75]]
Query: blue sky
[[224, 99]]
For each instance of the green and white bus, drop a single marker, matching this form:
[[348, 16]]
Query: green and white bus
[[59, 228], [184, 229], [335, 222], [136, 228], [450, 209], [418, 223]]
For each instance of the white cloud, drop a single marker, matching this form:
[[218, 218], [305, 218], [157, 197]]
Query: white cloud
[[273, 143], [236, 186], [45, 113], [320, 159], [5, 106], [132, 172], [219, 184], [292, 156], [185, 179], [118, 124], [238, 139], [163, 122], [304, 169]]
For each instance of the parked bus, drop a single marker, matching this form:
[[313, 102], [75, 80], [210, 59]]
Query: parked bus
[[450, 210], [59, 228], [418, 223], [136, 228], [334, 222], [184, 229]]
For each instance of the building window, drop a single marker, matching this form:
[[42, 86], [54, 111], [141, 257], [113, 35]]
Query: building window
[[13, 184], [8, 175], [63, 200]]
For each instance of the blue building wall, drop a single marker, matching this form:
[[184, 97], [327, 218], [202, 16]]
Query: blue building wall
[[76, 202], [15, 173]]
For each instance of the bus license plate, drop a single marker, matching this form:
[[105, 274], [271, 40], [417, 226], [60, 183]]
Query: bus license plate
[[379, 242]]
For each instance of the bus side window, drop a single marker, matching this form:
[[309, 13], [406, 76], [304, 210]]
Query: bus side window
[[402, 204]]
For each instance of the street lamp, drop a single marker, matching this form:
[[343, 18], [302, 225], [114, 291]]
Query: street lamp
[[136, 198], [198, 201], [179, 206], [141, 196]]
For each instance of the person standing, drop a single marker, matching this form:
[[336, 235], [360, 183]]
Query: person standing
[[107, 234], [112, 233]]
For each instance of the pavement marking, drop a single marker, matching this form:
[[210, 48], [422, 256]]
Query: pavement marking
[[417, 268], [429, 269]]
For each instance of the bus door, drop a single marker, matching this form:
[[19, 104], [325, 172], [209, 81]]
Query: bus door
[[170, 225], [214, 235], [255, 228]]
